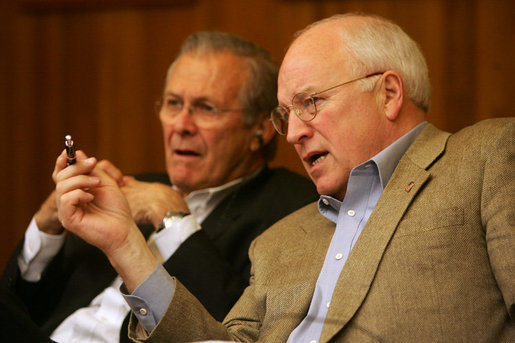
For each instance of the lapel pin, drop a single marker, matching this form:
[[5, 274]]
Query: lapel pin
[[409, 186]]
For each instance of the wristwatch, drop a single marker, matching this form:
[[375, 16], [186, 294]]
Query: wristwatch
[[170, 219]]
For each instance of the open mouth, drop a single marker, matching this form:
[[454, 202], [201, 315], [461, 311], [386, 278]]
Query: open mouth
[[317, 158], [186, 153]]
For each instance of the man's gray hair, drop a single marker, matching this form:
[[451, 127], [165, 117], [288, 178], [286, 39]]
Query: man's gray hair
[[258, 97], [377, 44]]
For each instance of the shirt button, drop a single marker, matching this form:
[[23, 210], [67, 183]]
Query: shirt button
[[325, 201], [328, 304], [351, 213], [339, 256], [143, 311], [313, 341]]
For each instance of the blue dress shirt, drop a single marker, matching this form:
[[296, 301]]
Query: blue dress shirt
[[365, 186]]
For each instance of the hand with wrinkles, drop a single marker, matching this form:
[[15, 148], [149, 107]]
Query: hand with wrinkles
[[91, 205], [149, 201], [46, 217]]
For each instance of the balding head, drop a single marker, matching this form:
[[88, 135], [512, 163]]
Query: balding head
[[371, 44]]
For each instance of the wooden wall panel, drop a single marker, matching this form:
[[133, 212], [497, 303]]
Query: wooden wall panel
[[94, 72]]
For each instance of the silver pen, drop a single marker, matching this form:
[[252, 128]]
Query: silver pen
[[70, 149]]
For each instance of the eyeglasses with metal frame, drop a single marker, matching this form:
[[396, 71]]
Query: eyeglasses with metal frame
[[304, 105], [169, 107]]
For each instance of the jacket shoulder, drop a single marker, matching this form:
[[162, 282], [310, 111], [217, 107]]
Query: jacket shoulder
[[488, 128]]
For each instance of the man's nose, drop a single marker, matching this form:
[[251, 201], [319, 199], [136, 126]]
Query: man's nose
[[184, 121], [297, 128]]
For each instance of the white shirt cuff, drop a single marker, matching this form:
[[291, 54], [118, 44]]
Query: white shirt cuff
[[38, 250]]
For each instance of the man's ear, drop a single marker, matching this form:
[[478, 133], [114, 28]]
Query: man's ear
[[393, 94], [263, 132]]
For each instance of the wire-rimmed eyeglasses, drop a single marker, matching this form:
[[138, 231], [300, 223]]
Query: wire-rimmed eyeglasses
[[203, 111], [304, 105]]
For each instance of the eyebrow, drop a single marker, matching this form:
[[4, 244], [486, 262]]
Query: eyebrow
[[303, 90], [194, 100]]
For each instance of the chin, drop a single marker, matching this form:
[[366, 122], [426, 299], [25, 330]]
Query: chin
[[325, 189], [321, 185], [180, 181], [322, 190]]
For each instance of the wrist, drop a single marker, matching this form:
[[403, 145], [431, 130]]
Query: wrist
[[133, 260], [48, 222], [171, 218], [159, 210]]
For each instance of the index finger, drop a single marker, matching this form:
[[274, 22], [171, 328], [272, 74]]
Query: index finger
[[77, 168], [60, 164]]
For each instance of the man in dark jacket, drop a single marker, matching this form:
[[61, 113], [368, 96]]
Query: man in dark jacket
[[218, 139]]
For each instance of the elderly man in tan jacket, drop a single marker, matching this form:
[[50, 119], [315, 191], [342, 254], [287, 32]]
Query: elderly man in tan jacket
[[412, 240]]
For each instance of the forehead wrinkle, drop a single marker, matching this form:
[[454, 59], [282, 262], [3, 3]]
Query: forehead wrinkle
[[192, 100], [216, 77], [294, 79], [315, 61]]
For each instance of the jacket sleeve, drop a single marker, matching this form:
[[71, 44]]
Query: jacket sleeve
[[498, 210]]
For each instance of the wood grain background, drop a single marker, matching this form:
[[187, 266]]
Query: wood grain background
[[94, 70]]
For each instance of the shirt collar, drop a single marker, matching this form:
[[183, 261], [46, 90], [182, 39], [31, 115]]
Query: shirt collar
[[386, 161]]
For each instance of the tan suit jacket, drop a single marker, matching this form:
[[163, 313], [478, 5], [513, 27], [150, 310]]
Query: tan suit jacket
[[434, 263]]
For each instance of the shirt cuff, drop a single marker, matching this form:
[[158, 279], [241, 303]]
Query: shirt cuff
[[38, 250], [151, 298]]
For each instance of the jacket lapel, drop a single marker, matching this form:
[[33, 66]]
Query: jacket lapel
[[357, 276], [233, 206]]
